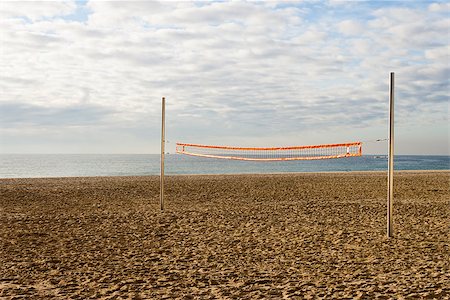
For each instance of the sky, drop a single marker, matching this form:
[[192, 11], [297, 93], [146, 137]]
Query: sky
[[88, 76]]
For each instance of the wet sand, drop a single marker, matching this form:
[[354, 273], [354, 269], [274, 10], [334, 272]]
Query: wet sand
[[294, 236]]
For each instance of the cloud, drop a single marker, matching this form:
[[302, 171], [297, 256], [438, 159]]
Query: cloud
[[351, 27], [234, 69], [439, 7], [21, 114], [36, 10], [438, 53]]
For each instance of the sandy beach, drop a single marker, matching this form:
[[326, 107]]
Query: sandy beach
[[283, 236]]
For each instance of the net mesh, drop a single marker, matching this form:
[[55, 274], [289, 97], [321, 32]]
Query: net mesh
[[272, 154]]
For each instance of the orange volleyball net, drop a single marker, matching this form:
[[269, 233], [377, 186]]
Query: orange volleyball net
[[272, 154]]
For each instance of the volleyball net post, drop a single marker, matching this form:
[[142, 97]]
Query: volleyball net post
[[163, 125], [390, 188]]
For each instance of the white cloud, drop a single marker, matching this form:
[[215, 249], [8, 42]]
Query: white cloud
[[231, 69], [339, 2], [351, 27], [439, 7], [438, 53], [35, 10]]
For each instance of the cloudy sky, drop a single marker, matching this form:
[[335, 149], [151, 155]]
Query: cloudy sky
[[88, 76]]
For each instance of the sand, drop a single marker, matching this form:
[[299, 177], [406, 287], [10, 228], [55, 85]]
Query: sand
[[292, 236]]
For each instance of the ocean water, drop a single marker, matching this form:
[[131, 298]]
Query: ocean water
[[75, 165]]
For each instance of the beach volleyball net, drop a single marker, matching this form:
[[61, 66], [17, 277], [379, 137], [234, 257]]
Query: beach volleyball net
[[328, 151]]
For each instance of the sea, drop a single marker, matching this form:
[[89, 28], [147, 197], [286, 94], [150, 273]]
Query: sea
[[80, 165]]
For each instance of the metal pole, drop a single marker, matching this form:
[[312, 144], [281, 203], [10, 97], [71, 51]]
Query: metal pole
[[390, 198], [163, 121]]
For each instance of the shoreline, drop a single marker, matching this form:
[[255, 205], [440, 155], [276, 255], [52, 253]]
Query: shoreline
[[238, 174]]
